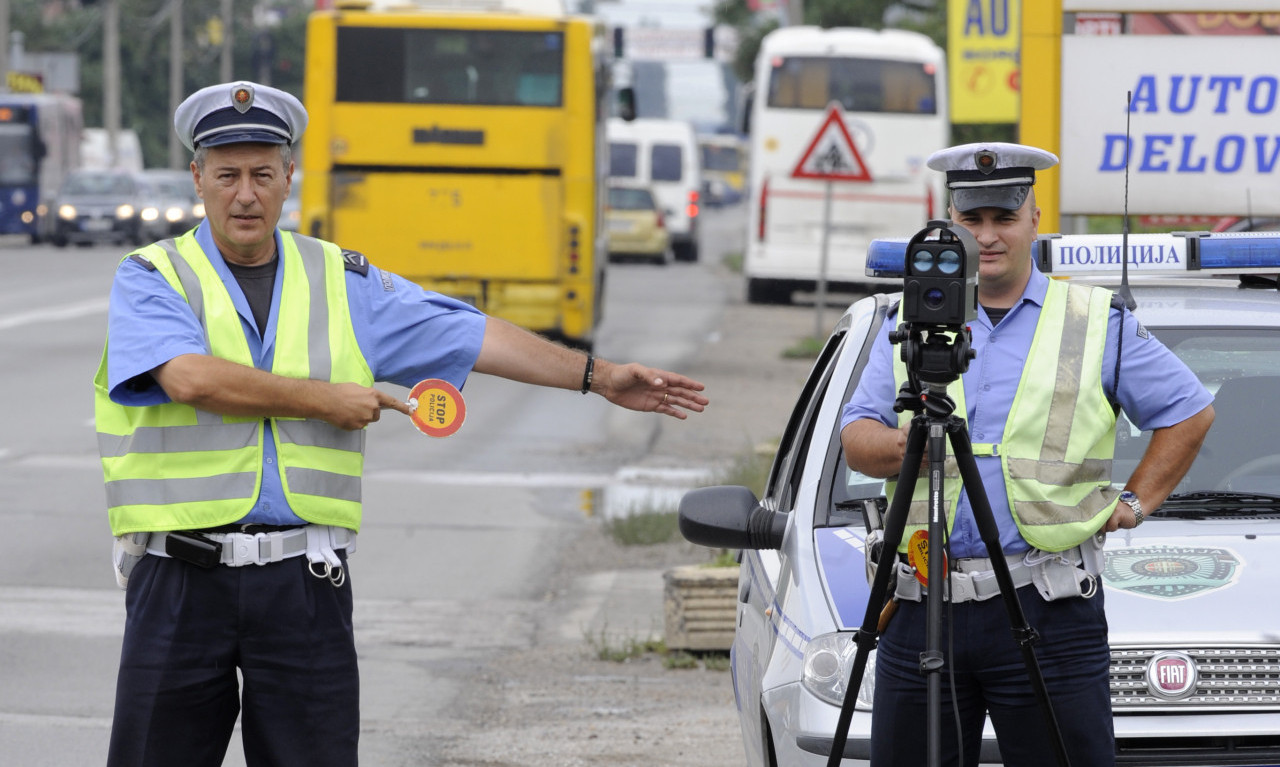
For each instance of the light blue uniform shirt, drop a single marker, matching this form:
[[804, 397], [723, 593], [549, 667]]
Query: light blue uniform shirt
[[1156, 389], [406, 334]]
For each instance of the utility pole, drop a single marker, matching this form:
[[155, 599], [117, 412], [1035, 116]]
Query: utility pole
[[176, 55], [111, 78], [226, 41], [795, 12]]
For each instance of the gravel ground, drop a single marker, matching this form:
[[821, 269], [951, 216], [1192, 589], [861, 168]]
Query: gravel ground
[[556, 703]]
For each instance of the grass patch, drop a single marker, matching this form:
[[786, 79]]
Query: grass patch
[[733, 261], [624, 650], [749, 468], [807, 348], [644, 527]]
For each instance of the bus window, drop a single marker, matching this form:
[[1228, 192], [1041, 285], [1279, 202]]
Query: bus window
[[622, 159], [17, 158], [859, 84], [665, 162], [445, 66]]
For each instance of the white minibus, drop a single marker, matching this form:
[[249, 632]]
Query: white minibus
[[891, 87], [662, 155]]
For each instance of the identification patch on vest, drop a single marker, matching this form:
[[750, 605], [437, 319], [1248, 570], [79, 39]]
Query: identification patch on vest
[[355, 262], [438, 409]]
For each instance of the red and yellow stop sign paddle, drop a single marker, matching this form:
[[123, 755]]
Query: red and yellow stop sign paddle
[[438, 407]]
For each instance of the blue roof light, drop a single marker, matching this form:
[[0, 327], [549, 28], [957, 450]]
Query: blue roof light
[[1198, 253]]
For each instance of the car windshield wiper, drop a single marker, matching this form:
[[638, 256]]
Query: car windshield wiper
[[1200, 504]]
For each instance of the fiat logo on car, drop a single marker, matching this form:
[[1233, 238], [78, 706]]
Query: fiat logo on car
[[1171, 675]]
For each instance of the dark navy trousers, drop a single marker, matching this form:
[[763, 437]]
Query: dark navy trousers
[[991, 677], [192, 634]]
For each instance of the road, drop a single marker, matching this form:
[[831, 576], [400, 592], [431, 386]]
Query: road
[[461, 538]]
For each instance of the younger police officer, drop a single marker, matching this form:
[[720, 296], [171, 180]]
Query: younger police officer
[[231, 401], [1038, 402]]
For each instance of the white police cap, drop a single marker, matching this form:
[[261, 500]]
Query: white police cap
[[991, 174], [239, 112]]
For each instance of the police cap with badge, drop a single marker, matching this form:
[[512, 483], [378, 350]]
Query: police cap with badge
[[239, 113], [991, 174]]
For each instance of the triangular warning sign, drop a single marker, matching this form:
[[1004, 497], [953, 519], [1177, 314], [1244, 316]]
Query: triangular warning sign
[[832, 155]]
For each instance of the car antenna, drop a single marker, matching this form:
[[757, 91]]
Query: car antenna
[[1124, 291]]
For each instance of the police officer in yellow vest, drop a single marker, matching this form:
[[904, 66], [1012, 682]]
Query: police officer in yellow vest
[[1039, 400], [231, 400]]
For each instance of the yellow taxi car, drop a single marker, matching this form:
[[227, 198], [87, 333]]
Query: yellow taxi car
[[635, 225]]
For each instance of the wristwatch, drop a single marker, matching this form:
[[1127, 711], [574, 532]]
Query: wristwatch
[[1131, 498]]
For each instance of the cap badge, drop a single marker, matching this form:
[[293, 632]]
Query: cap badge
[[242, 99], [985, 160]]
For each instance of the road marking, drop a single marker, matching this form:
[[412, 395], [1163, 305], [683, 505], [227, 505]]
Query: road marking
[[65, 611], [53, 314]]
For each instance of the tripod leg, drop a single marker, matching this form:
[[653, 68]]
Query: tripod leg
[[1023, 634], [895, 522]]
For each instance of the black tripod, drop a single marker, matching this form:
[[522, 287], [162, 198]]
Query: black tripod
[[935, 360]]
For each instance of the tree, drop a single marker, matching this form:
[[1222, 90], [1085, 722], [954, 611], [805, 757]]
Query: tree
[[144, 55]]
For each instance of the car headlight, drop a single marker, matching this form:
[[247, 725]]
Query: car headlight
[[828, 660], [125, 211], [67, 212], [197, 210], [173, 214], [148, 214]]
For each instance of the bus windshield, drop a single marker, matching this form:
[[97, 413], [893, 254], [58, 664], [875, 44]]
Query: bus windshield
[[17, 160], [859, 84], [450, 66]]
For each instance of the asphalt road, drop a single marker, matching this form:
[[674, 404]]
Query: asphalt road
[[461, 535]]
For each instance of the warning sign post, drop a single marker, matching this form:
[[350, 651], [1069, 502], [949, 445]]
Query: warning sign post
[[831, 156]]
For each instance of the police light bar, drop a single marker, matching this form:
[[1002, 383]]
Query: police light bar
[[1200, 253]]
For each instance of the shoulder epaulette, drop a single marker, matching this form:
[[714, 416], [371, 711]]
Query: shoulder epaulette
[[142, 260], [355, 262]]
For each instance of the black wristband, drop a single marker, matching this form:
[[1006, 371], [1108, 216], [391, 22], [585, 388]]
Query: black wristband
[[588, 372]]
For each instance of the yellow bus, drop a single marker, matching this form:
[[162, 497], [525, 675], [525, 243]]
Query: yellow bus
[[465, 149]]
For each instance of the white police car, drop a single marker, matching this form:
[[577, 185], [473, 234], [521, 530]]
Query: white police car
[[1191, 594]]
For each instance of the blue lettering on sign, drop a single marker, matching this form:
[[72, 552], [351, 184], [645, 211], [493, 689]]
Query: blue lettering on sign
[[995, 21], [1109, 255], [1218, 88], [1231, 153]]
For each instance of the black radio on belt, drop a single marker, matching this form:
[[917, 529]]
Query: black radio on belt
[[192, 547]]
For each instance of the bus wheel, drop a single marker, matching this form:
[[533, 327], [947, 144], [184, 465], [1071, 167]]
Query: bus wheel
[[767, 292]]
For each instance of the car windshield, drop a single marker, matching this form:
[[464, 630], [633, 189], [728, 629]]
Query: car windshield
[[105, 184], [1240, 455], [630, 199]]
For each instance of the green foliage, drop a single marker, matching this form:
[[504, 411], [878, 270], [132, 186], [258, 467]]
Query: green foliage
[[144, 55], [643, 527]]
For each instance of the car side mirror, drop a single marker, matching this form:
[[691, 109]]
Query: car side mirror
[[730, 517]]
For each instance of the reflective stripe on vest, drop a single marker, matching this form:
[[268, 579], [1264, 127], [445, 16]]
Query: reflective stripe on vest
[[173, 466], [1059, 436]]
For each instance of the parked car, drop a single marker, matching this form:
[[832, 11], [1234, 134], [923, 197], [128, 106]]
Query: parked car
[[636, 226], [1195, 670], [98, 206], [175, 203]]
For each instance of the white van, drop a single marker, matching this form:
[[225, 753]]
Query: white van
[[662, 155]]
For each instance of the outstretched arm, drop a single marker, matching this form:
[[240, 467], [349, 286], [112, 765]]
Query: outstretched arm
[[516, 354]]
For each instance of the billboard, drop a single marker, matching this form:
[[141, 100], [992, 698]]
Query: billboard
[[1202, 122], [982, 60]]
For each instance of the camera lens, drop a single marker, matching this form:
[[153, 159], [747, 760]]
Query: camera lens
[[934, 298], [922, 261], [948, 262]]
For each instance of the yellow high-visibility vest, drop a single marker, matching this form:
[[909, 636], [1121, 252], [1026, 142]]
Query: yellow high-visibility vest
[[1059, 436], [175, 467]]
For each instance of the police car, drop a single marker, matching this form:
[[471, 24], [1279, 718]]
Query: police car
[[1190, 595]]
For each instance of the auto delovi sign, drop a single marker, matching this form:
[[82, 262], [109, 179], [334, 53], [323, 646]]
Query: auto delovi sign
[[1203, 125]]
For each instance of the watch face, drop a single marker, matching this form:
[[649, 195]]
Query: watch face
[[1128, 496]]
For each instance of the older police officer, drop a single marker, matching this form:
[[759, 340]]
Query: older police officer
[[231, 400], [1039, 399]]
